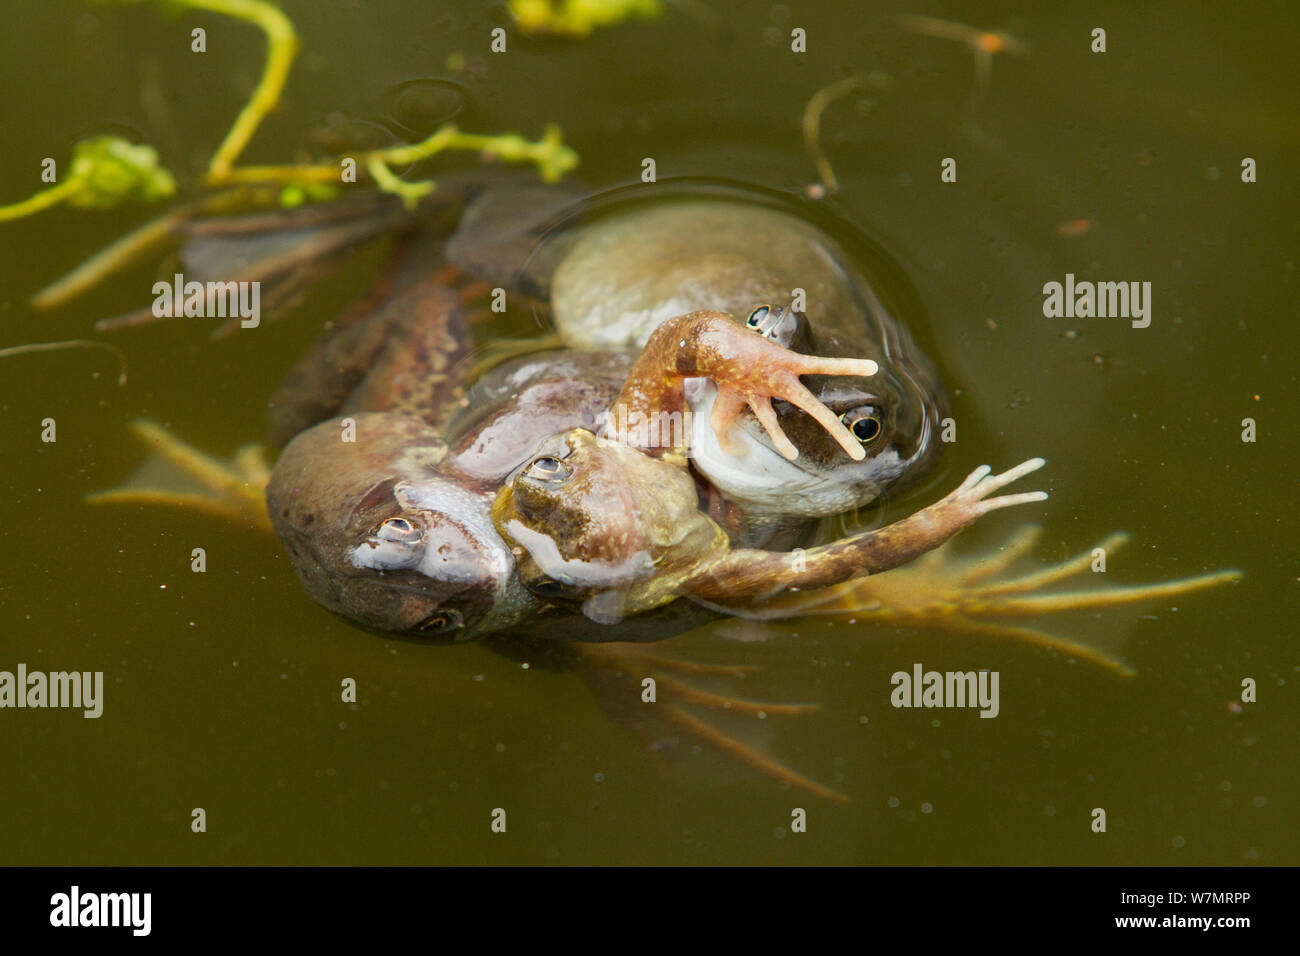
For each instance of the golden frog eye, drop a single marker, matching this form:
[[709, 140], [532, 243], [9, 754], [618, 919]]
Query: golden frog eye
[[549, 468], [864, 422], [756, 317], [398, 529]]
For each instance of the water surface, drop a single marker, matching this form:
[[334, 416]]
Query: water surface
[[222, 688]]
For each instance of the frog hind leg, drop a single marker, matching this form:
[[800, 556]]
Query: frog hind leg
[[178, 475], [401, 347], [976, 596], [615, 672]]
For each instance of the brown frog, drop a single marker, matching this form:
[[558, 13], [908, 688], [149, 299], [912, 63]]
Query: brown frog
[[726, 252], [384, 495], [614, 524], [394, 528]]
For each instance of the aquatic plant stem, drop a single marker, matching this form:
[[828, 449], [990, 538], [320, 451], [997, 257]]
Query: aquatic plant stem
[[812, 126], [281, 49], [43, 200], [552, 158]]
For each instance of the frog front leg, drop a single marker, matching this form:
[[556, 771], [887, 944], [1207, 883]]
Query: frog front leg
[[749, 370]]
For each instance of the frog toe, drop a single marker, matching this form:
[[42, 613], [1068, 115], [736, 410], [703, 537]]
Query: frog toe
[[973, 494], [621, 669], [179, 475], [726, 407], [976, 596]]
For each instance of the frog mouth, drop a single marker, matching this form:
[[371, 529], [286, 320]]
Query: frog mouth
[[760, 476]]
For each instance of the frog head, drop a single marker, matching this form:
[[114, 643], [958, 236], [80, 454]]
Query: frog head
[[823, 479], [377, 535], [604, 526]]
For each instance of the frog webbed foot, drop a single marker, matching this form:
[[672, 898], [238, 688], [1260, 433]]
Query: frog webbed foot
[[976, 595], [181, 476], [616, 674]]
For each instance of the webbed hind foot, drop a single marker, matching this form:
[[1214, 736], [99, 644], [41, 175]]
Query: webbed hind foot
[[611, 669], [967, 596], [234, 490]]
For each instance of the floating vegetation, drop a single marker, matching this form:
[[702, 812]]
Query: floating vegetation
[[578, 18], [108, 171]]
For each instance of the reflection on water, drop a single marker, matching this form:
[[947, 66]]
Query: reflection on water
[[222, 690]]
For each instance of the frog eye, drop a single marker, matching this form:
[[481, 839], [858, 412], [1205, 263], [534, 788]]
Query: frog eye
[[440, 622], [548, 468], [756, 317], [398, 529], [864, 422], [546, 587]]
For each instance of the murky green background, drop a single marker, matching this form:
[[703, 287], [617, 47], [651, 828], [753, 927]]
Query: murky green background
[[222, 688]]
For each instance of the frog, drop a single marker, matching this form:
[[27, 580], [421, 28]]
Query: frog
[[724, 253], [622, 276], [615, 521], [392, 529], [400, 528], [607, 284], [346, 561], [619, 531]]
